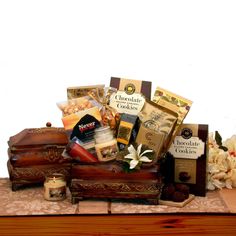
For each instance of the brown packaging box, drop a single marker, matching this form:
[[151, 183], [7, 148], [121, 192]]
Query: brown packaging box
[[186, 159], [132, 86], [128, 129]]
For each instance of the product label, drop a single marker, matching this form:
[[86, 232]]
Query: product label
[[81, 91], [191, 148], [125, 103], [158, 118], [124, 132], [57, 193], [131, 86], [187, 157], [152, 139], [109, 151], [84, 129]]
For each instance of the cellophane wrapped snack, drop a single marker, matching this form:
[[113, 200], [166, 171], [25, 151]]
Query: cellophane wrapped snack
[[81, 116], [109, 115]]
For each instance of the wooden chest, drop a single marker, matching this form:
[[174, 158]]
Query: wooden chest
[[36, 153], [109, 181]]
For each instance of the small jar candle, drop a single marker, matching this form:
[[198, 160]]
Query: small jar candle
[[55, 187], [105, 144]]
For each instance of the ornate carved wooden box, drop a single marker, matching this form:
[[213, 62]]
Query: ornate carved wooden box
[[110, 181], [36, 153]]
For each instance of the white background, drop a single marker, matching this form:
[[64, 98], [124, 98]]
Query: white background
[[187, 47]]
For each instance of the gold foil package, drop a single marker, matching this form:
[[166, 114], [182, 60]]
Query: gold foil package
[[81, 91], [152, 139], [159, 119], [173, 102]]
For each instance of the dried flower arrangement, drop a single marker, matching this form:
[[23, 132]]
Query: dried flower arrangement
[[221, 162]]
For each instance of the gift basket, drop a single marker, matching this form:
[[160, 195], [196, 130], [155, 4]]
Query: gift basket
[[118, 137], [116, 143]]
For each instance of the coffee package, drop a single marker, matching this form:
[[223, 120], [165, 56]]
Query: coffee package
[[152, 139], [127, 131], [186, 159], [175, 103], [160, 119]]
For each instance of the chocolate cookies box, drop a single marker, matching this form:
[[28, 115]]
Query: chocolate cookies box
[[186, 159]]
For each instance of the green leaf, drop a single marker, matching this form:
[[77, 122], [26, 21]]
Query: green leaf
[[223, 148], [126, 168], [218, 138]]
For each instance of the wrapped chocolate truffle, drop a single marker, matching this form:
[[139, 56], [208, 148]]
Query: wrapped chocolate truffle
[[175, 192]]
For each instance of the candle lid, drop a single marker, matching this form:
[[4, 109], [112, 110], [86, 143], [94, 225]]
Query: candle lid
[[55, 176]]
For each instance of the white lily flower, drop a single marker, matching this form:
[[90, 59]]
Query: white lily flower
[[136, 156]]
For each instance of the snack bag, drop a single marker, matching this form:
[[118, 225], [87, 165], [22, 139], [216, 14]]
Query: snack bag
[[160, 119], [173, 102], [109, 115], [81, 91], [81, 117]]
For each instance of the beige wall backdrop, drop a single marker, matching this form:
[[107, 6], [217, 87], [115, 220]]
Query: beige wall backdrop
[[187, 47]]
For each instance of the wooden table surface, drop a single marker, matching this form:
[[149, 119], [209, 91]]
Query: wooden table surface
[[25, 213], [129, 224]]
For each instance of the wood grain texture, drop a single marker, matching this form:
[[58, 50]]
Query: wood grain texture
[[36, 153], [158, 224], [229, 197]]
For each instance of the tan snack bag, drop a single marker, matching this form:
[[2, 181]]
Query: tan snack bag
[[173, 102]]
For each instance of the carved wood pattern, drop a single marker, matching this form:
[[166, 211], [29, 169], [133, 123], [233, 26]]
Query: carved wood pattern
[[37, 172], [53, 154], [116, 187], [45, 130]]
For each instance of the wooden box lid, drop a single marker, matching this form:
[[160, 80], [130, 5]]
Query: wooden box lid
[[38, 138]]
